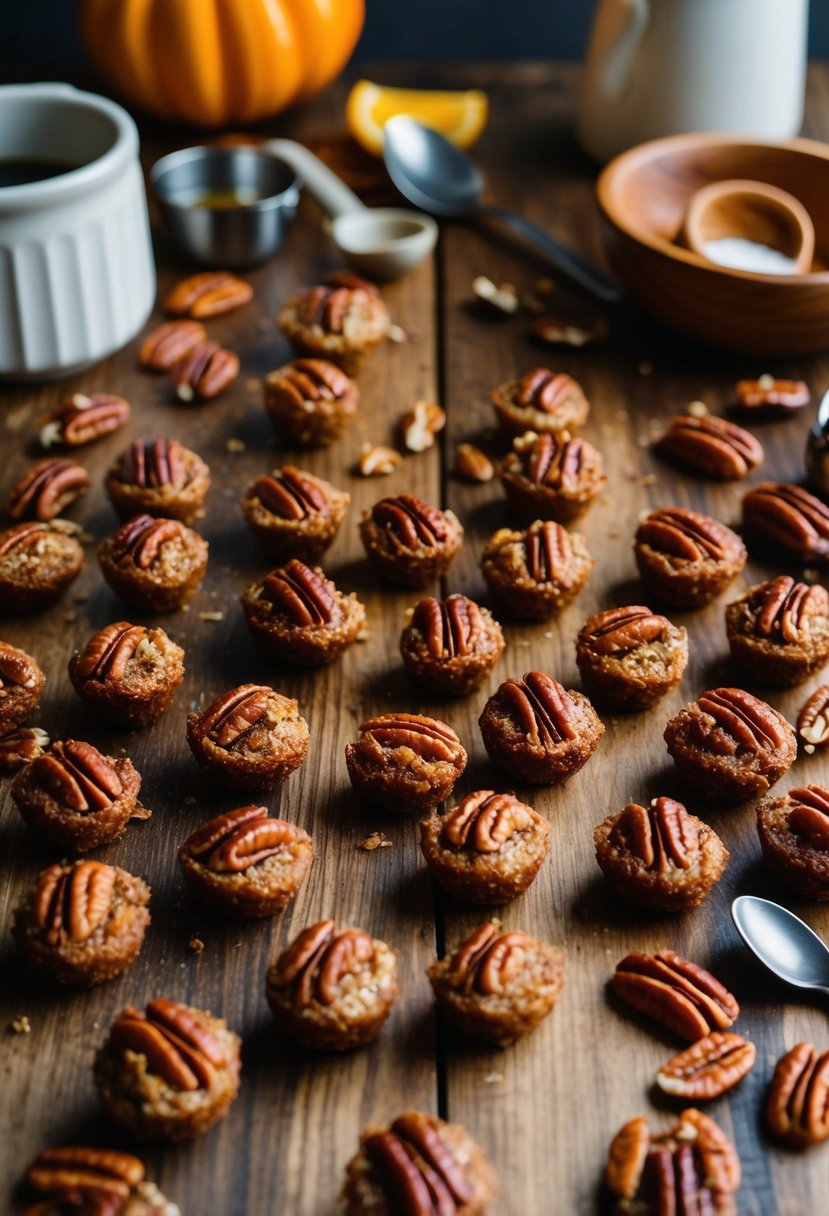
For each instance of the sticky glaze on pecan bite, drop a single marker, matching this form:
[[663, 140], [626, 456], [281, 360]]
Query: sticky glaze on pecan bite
[[630, 657], [78, 797], [498, 986], [155, 565], [660, 855], [534, 574], [794, 834], [541, 401], [406, 763], [337, 320], [158, 477], [538, 732], [291, 513], [128, 674], [82, 924], [418, 1164], [47, 489], [168, 1072], [297, 615], [77, 1180], [487, 849], [245, 864], [450, 645], [310, 402], [685, 558], [21, 685], [410, 542], [778, 631], [552, 476], [730, 745], [250, 738], [38, 561], [333, 987]]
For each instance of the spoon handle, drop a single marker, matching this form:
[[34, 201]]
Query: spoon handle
[[577, 267], [332, 194]]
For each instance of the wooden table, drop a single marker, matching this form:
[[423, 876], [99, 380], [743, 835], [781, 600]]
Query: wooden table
[[546, 1108]]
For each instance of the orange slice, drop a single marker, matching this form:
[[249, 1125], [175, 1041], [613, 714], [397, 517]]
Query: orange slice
[[460, 116]]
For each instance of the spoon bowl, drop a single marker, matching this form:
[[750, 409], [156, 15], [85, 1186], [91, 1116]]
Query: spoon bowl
[[782, 942], [748, 211], [384, 242]]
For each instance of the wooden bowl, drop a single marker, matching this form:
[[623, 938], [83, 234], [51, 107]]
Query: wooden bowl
[[643, 198]]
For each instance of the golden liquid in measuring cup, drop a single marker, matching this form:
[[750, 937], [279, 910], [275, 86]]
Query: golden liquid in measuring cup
[[230, 199]]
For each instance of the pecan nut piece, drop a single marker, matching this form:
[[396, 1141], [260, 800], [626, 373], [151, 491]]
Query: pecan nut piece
[[558, 331], [314, 380], [619, 630], [419, 1171], [708, 1068], [47, 489], [540, 707], [22, 746], [544, 390], [488, 960], [303, 595], [663, 836], [93, 1180], [328, 304], [167, 345], [154, 463], [472, 464], [378, 461], [735, 721], [317, 961], [107, 654], [809, 816], [178, 1044], [766, 392], [712, 446], [549, 551], [484, 821], [411, 522], [16, 669], [289, 495], [676, 993], [813, 720], [234, 842], [798, 1104], [683, 534], [407, 763], [143, 536], [785, 607], [421, 424], [789, 518], [81, 419], [209, 294], [427, 738], [451, 627], [76, 775], [558, 461], [69, 905], [205, 372], [235, 713]]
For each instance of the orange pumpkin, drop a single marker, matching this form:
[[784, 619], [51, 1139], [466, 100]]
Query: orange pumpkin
[[213, 62]]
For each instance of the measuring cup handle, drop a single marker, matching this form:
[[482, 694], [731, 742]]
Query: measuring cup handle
[[329, 191]]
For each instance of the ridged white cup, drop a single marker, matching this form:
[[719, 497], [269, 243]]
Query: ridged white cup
[[77, 277]]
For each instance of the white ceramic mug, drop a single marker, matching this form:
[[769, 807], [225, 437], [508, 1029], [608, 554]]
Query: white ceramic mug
[[664, 67], [77, 277]]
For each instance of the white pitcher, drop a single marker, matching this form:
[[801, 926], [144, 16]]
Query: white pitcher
[[662, 67]]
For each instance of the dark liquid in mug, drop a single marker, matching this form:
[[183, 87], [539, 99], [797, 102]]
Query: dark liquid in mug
[[21, 171]]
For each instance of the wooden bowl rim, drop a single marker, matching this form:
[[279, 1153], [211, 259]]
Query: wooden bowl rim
[[676, 143]]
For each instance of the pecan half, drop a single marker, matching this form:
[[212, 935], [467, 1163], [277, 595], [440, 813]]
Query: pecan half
[[683, 534], [713, 446], [412, 522], [77, 776], [71, 902], [303, 595], [809, 816], [107, 654], [488, 960], [619, 630], [154, 463], [544, 390], [167, 345], [484, 821], [708, 1068], [813, 719], [558, 331], [16, 668], [47, 489], [288, 494], [676, 993], [419, 1172], [421, 424], [559, 460], [22, 537], [767, 392], [178, 1044], [328, 305], [733, 721], [663, 835], [82, 1177], [317, 961], [143, 536], [428, 738], [232, 843], [798, 1102], [785, 607], [235, 713], [473, 464], [548, 549], [21, 746], [540, 707], [378, 461], [81, 419], [314, 380], [209, 294], [788, 517], [451, 627], [205, 372]]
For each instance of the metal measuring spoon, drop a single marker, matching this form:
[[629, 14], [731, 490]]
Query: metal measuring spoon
[[439, 178], [817, 448], [782, 942]]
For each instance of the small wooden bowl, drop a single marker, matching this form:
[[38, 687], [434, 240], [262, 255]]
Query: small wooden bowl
[[756, 212], [643, 198]]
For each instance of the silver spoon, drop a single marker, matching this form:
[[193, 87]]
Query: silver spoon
[[817, 448], [439, 178], [782, 942]]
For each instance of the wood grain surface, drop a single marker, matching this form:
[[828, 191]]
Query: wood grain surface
[[545, 1108]]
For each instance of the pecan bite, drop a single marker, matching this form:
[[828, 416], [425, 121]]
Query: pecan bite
[[410, 542], [297, 615], [49, 487], [677, 994], [787, 520], [797, 1109], [779, 631], [487, 849], [333, 987], [418, 1164], [82, 1181], [694, 1167], [20, 746], [250, 738], [245, 864], [498, 986], [21, 686], [82, 924], [712, 447], [541, 401], [128, 674], [708, 1068], [79, 419], [37, 564], [685, 558], [168, 344], [155, 565], [339, 321], [310, 402], [294, 514], [552, 476], [210, 293], [630, 657], [660, 856], [534, 574], [538, 732], [168, 1072], [730, 745], [158, 477], [405, 763], [450, 645], [78, 797], [794, 834]]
